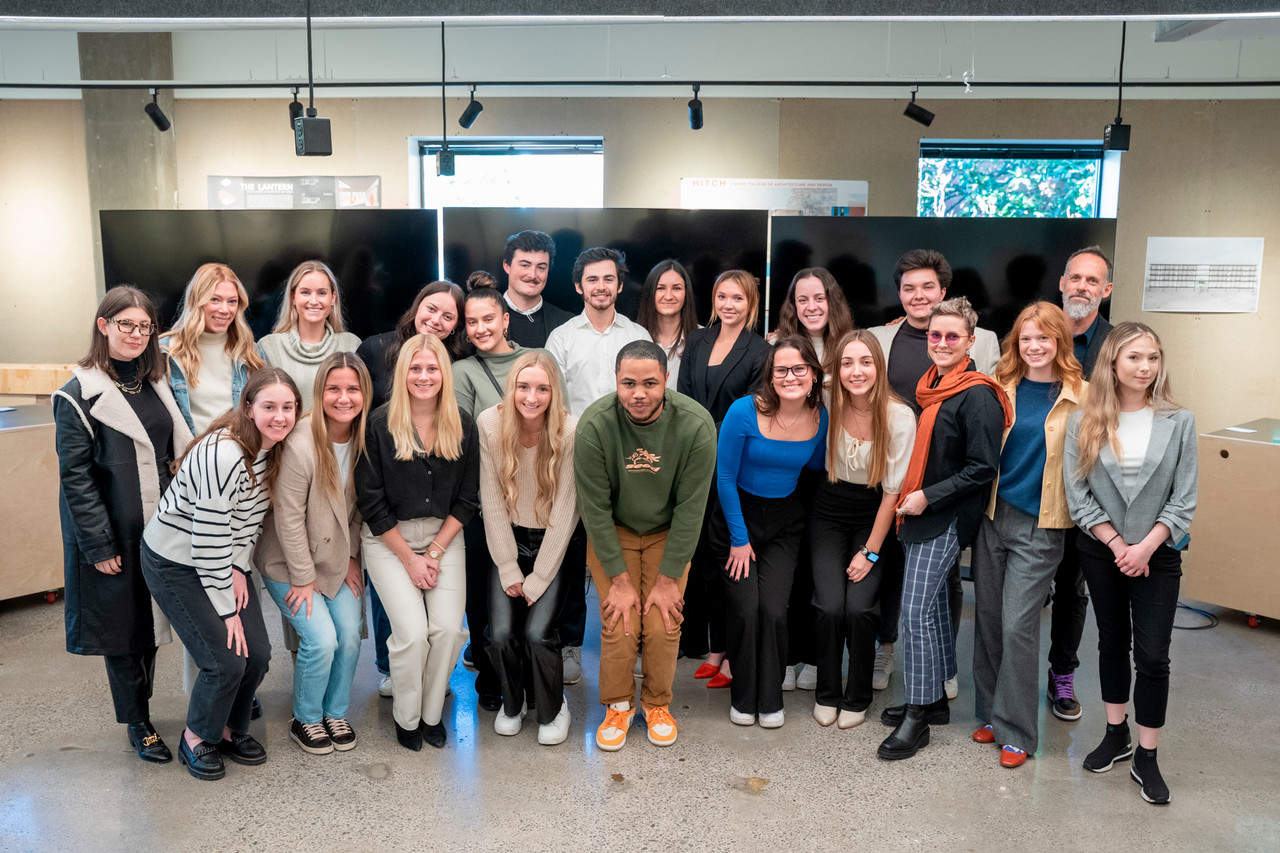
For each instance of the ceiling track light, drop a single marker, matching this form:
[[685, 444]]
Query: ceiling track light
[[295, 108], [915, 112], [472, 112], [1115, 136], [695, 110], [157, 116]]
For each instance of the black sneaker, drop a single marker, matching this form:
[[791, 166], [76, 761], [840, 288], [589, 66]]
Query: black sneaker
[[312, 737], [1062, 696], [341, 735], [1115, 746], [1146, 773]]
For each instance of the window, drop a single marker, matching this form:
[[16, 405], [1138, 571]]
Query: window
[[492, 172], [1012, 178]]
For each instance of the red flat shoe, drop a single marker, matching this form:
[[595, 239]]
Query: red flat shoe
[[985, 735], [707, 670], [1011, 756], [719, 680]]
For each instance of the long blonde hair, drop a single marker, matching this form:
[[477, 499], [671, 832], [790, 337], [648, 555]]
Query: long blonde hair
[[447, 428], [326, 461], [183, 338], [1100, 409], [1050, 320], [881, 397], [551, 446], [288, 319]]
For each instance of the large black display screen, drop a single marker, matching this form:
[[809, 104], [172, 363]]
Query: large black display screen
[[707, 242], [381, 257], [1001, 265]]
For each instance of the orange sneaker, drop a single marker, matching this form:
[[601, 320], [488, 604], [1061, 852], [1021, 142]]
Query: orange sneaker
[[612, 734], [662, 726]]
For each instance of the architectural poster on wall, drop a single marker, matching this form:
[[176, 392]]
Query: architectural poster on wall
[[1202, 274], [306, 192], [780, 197]]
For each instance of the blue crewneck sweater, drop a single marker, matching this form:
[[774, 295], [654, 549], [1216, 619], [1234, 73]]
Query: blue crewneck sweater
[[1023, 459]]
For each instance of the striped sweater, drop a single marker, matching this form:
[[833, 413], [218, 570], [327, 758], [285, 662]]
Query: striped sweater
[[210, 516]]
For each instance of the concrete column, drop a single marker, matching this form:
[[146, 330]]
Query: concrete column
[[132, 165]]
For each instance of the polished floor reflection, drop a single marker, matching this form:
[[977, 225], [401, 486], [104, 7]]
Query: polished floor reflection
[[68, 780]]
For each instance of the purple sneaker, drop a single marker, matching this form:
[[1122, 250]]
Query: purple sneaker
[[1062, 696]]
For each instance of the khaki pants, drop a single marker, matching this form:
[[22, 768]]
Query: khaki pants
[[618, 650], [425, 640]]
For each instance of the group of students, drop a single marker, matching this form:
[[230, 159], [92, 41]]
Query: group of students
[[732, 498]]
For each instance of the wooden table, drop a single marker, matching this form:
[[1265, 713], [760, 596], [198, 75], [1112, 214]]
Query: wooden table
[[31, 555], [1232, 560]]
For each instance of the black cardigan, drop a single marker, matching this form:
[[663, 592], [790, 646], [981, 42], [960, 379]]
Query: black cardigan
[[739, 372], [389, 490], [964, 457]]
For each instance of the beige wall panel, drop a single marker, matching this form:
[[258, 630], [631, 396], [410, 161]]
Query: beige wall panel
[[47, 289]]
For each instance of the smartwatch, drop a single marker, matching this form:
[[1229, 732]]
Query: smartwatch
[[871, 556]]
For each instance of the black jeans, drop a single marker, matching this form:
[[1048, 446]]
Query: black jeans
[[1138, 612], [524, 642], [573, 613], [222, 696], [1070, 608], [131, 678], [756, 620], [477, 607], [848, 613]]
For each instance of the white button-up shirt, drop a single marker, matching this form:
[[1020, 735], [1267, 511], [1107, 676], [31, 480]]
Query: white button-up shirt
[[586, 357]]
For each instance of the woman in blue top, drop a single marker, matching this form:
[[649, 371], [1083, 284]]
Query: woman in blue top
[[766, 440]]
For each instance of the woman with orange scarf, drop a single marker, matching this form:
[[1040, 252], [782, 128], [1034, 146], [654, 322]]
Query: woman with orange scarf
[[955, 458]]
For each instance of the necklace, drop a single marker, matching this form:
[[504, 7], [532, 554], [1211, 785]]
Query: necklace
[[131, 388], [788, 427]]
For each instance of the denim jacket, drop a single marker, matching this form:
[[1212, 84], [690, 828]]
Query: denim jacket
[[239, 376]]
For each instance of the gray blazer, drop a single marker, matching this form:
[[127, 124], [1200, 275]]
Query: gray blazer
[[1165, 490]]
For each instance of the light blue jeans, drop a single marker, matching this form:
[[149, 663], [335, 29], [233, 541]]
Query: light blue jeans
[[328, 649]]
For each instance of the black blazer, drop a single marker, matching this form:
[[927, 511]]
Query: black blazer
[[739, 372], [964, 456], [1091, 354]]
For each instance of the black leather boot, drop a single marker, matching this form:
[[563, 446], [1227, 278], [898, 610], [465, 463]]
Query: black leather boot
[[911, 734], [938, 713]]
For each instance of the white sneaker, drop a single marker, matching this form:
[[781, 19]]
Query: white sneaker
[[849, 719], [773, 721], [572, 656], [554, 732], [509, 726], [740, 719], [384, 687], [808, 677], [825, 715], [789, 678], [952, 687], [883, 668]]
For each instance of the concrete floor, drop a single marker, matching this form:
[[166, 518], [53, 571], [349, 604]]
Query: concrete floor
[[68, 780]]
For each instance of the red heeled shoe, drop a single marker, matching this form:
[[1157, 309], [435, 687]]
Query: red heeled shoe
[[707, 670], [719, 680]]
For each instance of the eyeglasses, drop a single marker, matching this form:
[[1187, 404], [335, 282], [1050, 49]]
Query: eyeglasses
[[799, 371], [128, 327], [952, 338]]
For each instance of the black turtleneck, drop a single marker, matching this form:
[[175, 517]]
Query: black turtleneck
[[146, 404]]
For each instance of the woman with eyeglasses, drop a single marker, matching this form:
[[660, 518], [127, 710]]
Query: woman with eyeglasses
[[417, 485], [721, 363], [118, 430], [766, 440], [668, 313], [1132, 476], [955, 457], [1020, 541]]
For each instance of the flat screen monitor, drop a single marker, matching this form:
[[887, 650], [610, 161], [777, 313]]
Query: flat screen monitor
[[707, 242], [1001, 265], [380, 257]]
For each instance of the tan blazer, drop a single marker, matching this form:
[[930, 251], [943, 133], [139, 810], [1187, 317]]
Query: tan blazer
[[309, 535], [1054, 513]]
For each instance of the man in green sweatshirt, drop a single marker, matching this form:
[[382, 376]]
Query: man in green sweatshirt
[[643, 462]]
